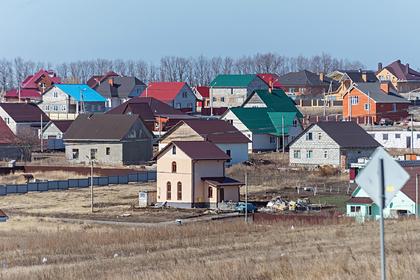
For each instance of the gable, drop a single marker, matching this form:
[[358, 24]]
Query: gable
[[320, 139], [255, 101], [182, 132], [138, 131]]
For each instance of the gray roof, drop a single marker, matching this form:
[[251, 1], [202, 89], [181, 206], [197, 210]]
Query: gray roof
[[303, 78], [378, 95], [119, 86], [357, 75]]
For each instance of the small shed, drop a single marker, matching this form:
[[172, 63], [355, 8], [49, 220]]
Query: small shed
[[147, 198], [3, 216]]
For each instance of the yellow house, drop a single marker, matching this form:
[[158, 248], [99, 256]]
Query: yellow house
[[402, 76], [192, 174]]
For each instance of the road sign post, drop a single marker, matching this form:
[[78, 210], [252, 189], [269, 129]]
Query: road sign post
[[382, 179]]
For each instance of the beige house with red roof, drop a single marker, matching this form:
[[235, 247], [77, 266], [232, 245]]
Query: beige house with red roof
[[192, 174], [177, 94]]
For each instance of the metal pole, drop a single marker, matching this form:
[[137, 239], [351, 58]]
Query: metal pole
[[369, 107], [41, 136], [91, 186], [417, 196], [382, 231], [282, 133], [412, 135], [211, 101], [246, 197]]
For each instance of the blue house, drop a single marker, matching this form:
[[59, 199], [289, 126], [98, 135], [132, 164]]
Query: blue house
[[73, 99]]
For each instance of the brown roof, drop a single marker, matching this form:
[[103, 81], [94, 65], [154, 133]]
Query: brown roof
[[403, 72], [409, 188], [2, 214], [222, 181], [197, 150], [6, 135], [63, 125], [100, 127], [360, 200], [24, 112], [215, 131]]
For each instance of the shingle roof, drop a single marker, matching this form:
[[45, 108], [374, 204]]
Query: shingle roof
[[163, 91], [62, 125], [100, 127], [403, 72], [276, 100], [357, 75], [6, 135], [30, 82], [233, 80], [269, 79], [303, 78], [347, 134], [95, 80], [117, 86], [200, 150], [222, 181], [215, 131], [24, 112], [375, 92], [77, 90]]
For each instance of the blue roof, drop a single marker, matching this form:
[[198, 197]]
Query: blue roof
[[74, 90]]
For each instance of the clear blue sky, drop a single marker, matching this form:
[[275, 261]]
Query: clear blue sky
[[66, 30]]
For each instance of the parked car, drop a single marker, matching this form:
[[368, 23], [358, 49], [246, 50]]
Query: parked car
[[241, 206], [385, 121]]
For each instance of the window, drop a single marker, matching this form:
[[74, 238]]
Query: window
[[108, 151], [55, 94], [178, 105], [168, 191], [394, 107], [319, 135], [210, 192], [397, 136], [367, 106], [63, 108], [309, 136], [174, 150], [385, 136], [355, 209], [47, 107], [295, 122], [179, 191], [309, 153], [418, 136], [93, 153], [302, 90], [354, 100], [75, 153], [296, 154], [272, 139], [291, 90], [325, 154], [222, 99], [228, 153], [173, 167], [370, 210], [55, 107], [214, 99], [7, 120], [184, 95]]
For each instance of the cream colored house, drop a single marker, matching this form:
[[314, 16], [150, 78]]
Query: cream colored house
[[192, 174]]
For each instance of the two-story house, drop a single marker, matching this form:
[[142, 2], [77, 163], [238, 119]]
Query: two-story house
[[306, 84], [404, 78], [192, 174], [24, 119]]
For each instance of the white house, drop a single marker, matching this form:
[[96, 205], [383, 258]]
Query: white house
[[394, 137], [23, 118], [224, 135], [53, 133], [331, 143]]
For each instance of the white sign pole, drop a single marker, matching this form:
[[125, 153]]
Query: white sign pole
[[382, 231]]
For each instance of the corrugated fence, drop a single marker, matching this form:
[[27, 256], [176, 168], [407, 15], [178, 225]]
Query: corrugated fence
[[77, 183]]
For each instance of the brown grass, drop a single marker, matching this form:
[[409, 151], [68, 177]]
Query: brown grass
[[18, 178], [220, 250]]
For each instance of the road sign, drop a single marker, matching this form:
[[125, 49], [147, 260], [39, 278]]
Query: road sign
[[369, 179]]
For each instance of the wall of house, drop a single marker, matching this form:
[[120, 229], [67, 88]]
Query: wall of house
[[228, 97], [320, 143], [205, 168], [238, 152], [10, 152], [60, 103], [114, 158], [185, 102], [182, 133], [395, 138], [52, 132], [386, 75], [263, 142], [137, 151], [231, 117], [300, 90], [405, 87], [8, 120], [255, 102], [352, 155]]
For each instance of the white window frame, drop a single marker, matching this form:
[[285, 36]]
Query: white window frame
[[296, 154], [309, 154]]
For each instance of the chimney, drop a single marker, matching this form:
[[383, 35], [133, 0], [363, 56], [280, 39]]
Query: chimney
[[407, 67], [321, 76], [364, 76], [111, 82], [270, 86], [385, 86], [379, 66]]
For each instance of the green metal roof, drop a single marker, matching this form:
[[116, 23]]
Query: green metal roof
[[233, 80], [278, 101], [263, 121]]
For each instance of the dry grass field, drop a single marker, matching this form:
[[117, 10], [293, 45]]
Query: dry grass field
[[18, 177], [33, 248]]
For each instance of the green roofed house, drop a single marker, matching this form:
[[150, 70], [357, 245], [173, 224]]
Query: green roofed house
[[264, 118], [231, 90]]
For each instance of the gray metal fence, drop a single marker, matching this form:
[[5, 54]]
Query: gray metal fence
[[147, 176]]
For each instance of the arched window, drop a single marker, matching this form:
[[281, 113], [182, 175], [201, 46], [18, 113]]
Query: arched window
[[179, 191], [168, 191], [173, 167]]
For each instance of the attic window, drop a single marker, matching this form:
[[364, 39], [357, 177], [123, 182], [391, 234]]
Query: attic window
[[174, 150]]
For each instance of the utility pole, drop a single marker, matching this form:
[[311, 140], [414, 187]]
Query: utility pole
[[282, 133], [417, 196], [368, 107], [211, 99], [91, 185], [246, 197], [382, 230], [412, 134], [41, 137]]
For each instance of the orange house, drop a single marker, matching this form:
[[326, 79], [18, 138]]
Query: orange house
[[371, 102]]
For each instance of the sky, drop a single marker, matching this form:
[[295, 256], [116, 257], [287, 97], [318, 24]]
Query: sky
[[370, 31]]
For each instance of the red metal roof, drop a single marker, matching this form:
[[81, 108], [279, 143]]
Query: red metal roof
[[271, 78], [31, 82], [6, 135], [97, 79], [163, 91], [204, 91], [32, 94]]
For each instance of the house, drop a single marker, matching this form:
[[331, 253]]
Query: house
[[395, 137], [32, 88], [24, 119], [108, 139], [72, 99], [10, 148], [3, 216], [404, 78], [266, 118], [231, 90], [306, 84], [203, 97], [176, 94], [96, 80], [346, 78], [331, 143], [156, 115], [403, 204], [272, 80], [118, 89], [223, 134], [53, 133], [371, 102], [192, 174]]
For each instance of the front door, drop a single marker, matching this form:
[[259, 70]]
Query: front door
[[221, 194], [408, 142]]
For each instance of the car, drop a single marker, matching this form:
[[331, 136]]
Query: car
[[241, 206], [385, 121]]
